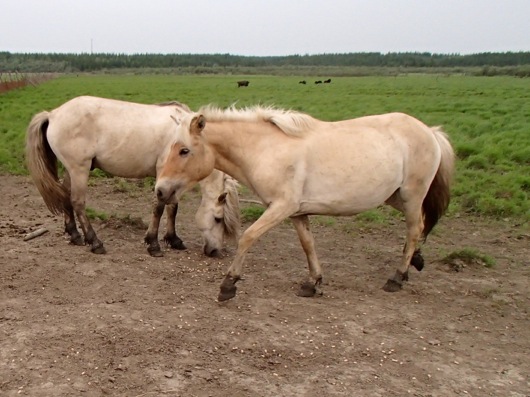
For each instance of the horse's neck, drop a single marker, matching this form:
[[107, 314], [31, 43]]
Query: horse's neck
[[226, 140]]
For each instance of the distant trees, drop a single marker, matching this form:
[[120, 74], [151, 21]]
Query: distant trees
[[71, 63]]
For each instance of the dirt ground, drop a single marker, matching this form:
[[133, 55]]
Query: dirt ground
[[125, 324]]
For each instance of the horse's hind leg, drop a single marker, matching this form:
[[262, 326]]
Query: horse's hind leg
[[171, 237], [79, 183], [414, 222], [308, 288], [151, 236], [69, 217]]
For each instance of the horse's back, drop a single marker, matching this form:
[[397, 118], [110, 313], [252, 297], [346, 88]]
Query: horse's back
[[358, 164], [123, 138]]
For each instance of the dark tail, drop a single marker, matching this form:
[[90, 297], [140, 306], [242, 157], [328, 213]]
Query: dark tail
[[437, 200]]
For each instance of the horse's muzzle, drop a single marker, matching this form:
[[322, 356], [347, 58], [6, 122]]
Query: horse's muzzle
[[165, 191]]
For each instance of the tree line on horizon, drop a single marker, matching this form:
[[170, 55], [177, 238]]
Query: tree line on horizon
[[87, 62]]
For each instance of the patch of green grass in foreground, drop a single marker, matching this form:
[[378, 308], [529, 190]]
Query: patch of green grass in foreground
[[469, 256]]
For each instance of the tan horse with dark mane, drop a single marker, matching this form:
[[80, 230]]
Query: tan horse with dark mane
[[125, 139], [302, 166]]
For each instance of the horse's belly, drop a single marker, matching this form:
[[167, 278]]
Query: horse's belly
[[345, 202], [127, 167], [349, 192]]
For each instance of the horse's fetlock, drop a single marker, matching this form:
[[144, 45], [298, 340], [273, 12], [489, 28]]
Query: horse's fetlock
[[417, 260]]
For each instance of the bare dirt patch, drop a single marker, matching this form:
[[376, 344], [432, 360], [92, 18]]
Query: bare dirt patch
[[125, 324]]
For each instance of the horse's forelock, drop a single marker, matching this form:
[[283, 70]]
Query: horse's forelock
[[289, 121]]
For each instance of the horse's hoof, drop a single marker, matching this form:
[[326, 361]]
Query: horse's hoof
[[417, 260], [307, 290], [98, 250], [228, 289], [226, 293], [77, 240], [156, 253], [392, 286], [175, 243], [179, 246]]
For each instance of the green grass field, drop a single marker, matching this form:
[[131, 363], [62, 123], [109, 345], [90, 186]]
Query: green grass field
[[487, 118]]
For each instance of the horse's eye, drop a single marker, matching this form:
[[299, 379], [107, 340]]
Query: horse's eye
[[184, 151], [218, 220]]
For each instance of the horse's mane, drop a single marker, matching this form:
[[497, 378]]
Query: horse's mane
[[176, 104], [232, 219], [289, 121]]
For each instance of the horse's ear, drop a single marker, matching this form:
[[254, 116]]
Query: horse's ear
[[197, 124], [222, 198]]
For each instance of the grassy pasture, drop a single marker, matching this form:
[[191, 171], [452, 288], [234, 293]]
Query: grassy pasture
[[487, 118]]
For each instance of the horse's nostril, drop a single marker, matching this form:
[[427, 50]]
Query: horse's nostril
[[214, 253], [159, 193]]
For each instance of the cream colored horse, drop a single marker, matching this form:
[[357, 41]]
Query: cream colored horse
[[302, 166], [125, 139]]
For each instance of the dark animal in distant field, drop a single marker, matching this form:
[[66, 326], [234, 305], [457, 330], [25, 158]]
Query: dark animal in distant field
[[318, 82], [302, 82], [243, 83], [327, 81]]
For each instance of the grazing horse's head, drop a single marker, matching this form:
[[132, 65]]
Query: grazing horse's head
[[218, 215], [188, 162]]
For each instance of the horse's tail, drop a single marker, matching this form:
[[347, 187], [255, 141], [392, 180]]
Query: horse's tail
[[42, 165], [437, 200]]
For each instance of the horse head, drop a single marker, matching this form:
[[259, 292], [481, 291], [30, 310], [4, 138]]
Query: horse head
[[188, 161]]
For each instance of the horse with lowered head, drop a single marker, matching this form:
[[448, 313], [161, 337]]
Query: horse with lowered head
[[301, 166], [124, 139]]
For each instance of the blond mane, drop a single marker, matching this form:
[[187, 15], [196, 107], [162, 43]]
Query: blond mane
[[290, 122], [232, 219]]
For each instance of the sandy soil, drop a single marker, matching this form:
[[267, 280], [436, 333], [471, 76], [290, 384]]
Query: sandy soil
[[125, 324]]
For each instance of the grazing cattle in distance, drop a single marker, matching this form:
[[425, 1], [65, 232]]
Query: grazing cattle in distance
[[327, 81], [318, 82], [302, 82], [243, 83]]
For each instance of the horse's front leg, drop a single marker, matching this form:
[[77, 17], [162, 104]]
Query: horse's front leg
[[171, 237], [309, 287], [151, 236], [270, 218]]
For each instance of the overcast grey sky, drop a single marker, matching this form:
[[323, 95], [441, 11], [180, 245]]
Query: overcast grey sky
[[269, 27]]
